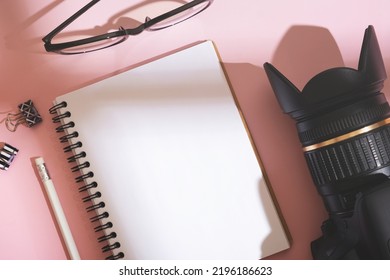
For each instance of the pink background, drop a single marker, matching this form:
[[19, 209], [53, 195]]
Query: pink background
[[299, 37]]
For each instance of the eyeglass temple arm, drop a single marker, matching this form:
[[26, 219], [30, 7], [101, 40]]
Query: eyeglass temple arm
[[63, 25]]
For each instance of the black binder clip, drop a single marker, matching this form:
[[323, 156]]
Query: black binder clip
[[7, 155], [27, 115]]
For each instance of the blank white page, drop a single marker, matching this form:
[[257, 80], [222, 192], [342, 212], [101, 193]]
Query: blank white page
[[174, 161]]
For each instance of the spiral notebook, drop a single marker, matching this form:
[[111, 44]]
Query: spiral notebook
[[166, 158]]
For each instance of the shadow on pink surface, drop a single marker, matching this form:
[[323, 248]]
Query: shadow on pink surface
[[302, 53]]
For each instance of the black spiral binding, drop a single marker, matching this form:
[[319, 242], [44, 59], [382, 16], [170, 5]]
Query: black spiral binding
[[87, 187]]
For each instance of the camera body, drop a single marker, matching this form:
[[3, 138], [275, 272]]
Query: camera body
[[343, 123]]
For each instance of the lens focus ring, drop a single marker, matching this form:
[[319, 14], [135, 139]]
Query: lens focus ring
[[355, 157]]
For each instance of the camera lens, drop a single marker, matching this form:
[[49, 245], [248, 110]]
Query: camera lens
[[342, 120]]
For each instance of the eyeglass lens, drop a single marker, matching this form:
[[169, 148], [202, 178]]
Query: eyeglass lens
[[95, 45], [180, 16]]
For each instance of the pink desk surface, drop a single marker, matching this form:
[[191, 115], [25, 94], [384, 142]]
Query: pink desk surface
[[299, 37]]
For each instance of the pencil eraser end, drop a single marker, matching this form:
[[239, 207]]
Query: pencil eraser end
[[39, 161]]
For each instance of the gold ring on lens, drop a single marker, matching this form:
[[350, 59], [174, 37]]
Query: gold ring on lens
[[347, 135]]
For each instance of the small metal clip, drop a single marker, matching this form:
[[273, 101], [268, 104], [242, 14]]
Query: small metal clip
[[28, 115], [7, 155]]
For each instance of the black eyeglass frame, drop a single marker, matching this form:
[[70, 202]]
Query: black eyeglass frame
[[57, 47]]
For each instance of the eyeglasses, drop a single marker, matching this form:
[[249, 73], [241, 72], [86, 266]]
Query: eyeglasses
[[109, 39]]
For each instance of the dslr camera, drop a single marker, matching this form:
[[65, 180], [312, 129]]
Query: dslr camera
[[343, 123]]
